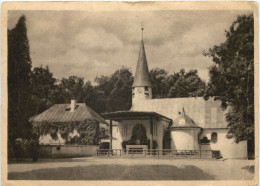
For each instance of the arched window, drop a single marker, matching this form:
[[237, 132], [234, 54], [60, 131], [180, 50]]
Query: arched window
[[214, 137]]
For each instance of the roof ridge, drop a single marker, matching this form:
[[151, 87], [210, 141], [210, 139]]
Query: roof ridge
[[58, 113]]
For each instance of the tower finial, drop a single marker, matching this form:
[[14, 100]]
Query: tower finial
[[142, 76], [142, 30]]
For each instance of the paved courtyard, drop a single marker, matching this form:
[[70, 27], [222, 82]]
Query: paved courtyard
[[94, 168]]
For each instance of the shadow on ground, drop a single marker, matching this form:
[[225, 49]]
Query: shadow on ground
[[54, 160], [115, 172], [250, 168]]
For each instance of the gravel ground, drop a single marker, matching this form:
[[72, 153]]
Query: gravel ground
[[94, 168]]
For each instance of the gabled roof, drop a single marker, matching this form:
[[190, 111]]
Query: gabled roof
[[184, 121], [142, 77], [61, 113]]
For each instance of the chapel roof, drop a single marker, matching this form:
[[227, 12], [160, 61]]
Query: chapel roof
[[184, 121], [132, 114], [61, 113], [142, 77], [205, 113]]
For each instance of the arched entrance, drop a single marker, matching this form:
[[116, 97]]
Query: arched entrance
[[139, 135]]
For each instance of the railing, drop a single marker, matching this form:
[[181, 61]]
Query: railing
[[160, 153]]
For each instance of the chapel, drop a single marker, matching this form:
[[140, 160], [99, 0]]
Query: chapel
[[181, 124]]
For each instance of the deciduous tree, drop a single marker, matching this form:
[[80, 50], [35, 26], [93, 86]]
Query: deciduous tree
[[186, 84], [43, 84], [232, 77]]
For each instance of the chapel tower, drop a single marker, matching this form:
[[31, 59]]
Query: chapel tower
[[142, 86]]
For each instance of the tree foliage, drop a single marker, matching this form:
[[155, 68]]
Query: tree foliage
[[232, 77], [186, 84], [42, 87], [19, 84], [115, 91], [160, 86], [180, 84]]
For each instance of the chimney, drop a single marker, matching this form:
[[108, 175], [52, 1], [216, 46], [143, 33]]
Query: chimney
[[72, 105]]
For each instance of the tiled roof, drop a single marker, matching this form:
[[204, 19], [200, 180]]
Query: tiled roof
[[61, 113], [206, 114]]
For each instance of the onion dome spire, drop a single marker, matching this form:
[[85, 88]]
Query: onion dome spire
[[142, 77]]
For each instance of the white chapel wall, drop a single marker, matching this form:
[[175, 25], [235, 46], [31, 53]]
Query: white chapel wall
[[228, 147], [117, 137], [185, 139]]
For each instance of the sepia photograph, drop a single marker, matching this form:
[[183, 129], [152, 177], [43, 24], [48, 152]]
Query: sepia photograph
[[138, 94]]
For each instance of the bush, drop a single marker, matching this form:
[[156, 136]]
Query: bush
[[18, 149], [33, 149], [24, 148]]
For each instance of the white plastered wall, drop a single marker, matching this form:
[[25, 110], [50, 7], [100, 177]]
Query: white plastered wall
[[185, 139], [117, 138], [123, 131], [228, 147], [139, 94], [47, 139]]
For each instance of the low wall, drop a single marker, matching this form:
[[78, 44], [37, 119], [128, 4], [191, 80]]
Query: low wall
[[64, 151]]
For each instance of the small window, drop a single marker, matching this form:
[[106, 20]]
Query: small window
[[214, 137], [146, 88]]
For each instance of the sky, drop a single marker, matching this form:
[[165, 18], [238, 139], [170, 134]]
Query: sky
[[89, 44]]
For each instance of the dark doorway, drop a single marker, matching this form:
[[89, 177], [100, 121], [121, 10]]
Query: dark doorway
[[167, 140], [139, 134]]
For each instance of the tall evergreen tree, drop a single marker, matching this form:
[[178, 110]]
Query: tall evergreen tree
[[19, 85]]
